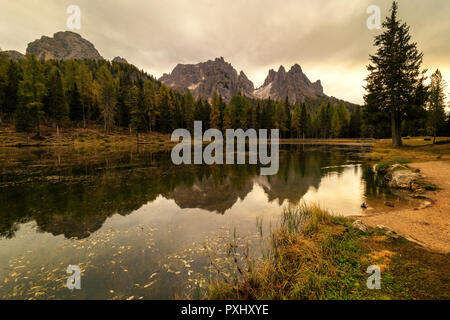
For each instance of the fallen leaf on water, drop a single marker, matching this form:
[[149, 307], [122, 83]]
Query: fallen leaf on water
[[149, 285]]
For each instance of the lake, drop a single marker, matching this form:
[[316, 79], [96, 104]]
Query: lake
[[140, 227]]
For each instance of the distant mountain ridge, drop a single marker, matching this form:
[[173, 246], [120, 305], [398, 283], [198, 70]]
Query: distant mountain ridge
[[201, 79], [218, 75]]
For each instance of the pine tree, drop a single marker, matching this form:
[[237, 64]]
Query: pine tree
[[150, 103], [215, 118], [189, 111], [287, 118], [123, 110], [394, 73], [324, 120], [436, 108], [32, 89], [57, 106], [167, 108], [296, 121], [23, 120], [355, 123], [344, 120], [335, 124], [12, 88], [75, 105], [304, 122], [107, 97], [3, 83], [84, 80], [138, 112]]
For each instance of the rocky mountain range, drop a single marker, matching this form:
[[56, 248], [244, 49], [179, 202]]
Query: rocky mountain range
[[64, 46], [203, 78], [293, 85]]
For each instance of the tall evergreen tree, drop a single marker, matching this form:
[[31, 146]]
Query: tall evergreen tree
[[189, 110], [215, 117], [149, 96], [355, 123], [304, 121], [167, 109], [12, 88], [138, 112], [84, 80], [32, 89], [107, 97], [123, 110], [296, 122], [395, 73], [335, 124], [3, 83], [57, 106], [436, 107], [75, 105]]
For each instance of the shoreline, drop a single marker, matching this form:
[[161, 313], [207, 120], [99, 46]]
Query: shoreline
[[428, 226]]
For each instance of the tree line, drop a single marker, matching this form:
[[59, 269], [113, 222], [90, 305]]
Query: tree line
[[82, 92]]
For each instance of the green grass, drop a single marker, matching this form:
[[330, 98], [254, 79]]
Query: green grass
[[318, 256], [413, 150]]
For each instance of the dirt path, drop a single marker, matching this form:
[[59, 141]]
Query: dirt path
[[429, 226]]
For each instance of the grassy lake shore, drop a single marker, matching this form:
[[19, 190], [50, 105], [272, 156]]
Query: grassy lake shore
[[314, 255], [318, 256], [416, 149], [90, 137]]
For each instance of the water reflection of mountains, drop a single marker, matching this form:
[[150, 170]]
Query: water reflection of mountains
[[79, 198]]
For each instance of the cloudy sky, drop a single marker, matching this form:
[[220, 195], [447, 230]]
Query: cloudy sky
[[328, 38]]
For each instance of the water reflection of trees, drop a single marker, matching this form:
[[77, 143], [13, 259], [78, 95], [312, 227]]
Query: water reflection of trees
[[75, 199]]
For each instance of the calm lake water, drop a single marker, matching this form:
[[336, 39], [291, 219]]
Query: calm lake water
[[142, 228]]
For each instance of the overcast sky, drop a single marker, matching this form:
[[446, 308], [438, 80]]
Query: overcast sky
[[328, 38]]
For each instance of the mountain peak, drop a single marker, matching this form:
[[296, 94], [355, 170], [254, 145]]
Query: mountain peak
[[13, 55], [296, 68], [119, 60], [64, 45], [293, 85], [204, 78]]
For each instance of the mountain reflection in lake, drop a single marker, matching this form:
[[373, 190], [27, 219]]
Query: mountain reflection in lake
[[142, 228]]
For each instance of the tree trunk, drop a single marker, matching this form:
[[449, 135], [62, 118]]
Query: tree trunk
[[395, 128]]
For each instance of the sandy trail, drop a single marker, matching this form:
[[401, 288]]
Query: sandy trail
[[429, 226]]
